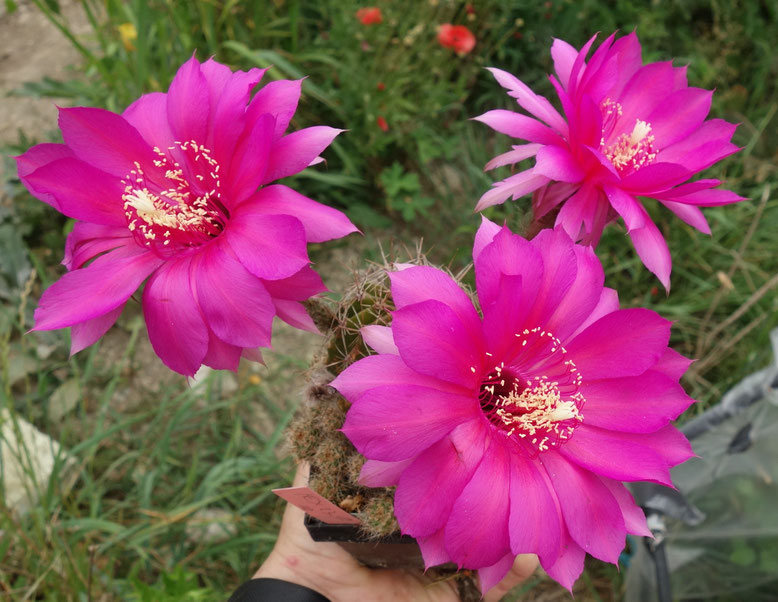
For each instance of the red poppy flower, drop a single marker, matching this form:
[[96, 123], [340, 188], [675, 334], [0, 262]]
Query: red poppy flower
[[382, 124], [370, 15], [457, 37]]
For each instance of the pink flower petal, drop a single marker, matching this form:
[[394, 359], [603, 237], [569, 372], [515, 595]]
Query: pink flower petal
[[485, 235], [529, 101], [433, 340], [375, 473], [679, 114], [689, 214], [429, 486], [80, 191], [623, 343], [303, 285], [379, 370], [221, 355], [575, 209], [188, 103], [507, 254], [148, 115], [556, 163], [581, 298], [564, 56], [637, 404], [477, 528], [653, 251], [271, 247], [627, 206], [489, 576], [569, 565], [592, 515], [93, 291], [619, 456], [655, 177], [229, 94], [379, 339], [294, 314], [519, 126], [250, 160], [519, 153], [397, 422], [294, 152], [36, 157], [648, 88], [279, 98], [535, 522], [84, 334], [515, 186], [176, 329], [673, 364], [422, 283], [608, 303], [706, 198], [320, 222], [634, 519], [433, 549], [235, 304], [104, 140], [87, 240]]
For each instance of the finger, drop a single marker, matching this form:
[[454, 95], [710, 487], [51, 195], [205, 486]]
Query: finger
[[522, 569]]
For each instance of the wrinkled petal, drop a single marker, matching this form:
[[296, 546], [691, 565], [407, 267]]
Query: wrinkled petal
[[87, 241]]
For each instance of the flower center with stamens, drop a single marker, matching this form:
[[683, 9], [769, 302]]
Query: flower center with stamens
[[630, 151], [178, 205], [539, 411]]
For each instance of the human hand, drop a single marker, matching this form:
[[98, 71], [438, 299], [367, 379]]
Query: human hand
[[330, 570]]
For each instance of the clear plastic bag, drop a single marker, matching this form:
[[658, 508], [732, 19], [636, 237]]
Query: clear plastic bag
[[719, 531]]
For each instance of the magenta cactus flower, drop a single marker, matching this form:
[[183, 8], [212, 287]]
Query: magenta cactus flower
[[630, 130], [511, 432], [177, 190]]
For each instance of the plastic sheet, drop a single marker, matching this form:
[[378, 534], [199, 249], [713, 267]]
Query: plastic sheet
[[719, 532]]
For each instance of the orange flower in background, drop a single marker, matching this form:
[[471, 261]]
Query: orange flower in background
[[457, 37], [370, 15], [382, 124]]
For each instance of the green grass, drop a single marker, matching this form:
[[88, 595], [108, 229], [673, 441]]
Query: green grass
[[151, 456]]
